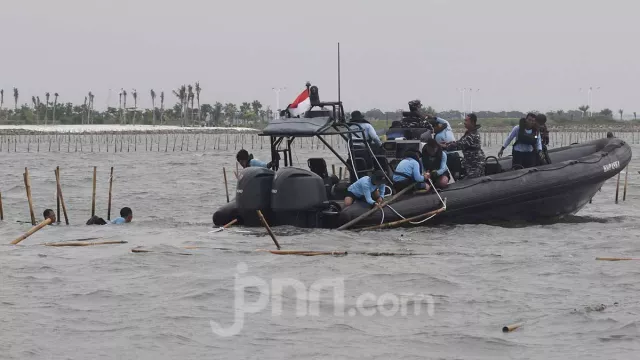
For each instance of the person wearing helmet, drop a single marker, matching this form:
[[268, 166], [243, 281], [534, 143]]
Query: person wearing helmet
[[368, 188]]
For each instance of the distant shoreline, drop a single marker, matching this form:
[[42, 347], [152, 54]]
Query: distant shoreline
[[117, 129]]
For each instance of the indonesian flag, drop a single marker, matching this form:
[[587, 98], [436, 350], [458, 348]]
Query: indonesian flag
[[301, 104]]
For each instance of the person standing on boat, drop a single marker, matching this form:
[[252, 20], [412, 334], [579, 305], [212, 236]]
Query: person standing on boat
[[435, 163], [408, 171], [528, 144], [368, 188], [246, 160], [541, 125], [369, 132], [471, 146]]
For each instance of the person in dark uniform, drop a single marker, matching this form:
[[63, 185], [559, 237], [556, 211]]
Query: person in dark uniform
[[541, 124], [471, 145]]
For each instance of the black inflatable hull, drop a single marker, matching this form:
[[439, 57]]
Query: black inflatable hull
[[537, 194]]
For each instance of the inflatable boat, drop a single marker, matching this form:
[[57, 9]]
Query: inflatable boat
[[312, 198]]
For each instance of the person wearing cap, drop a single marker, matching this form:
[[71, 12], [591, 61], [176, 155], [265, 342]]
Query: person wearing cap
[[409, 171], [471, 145], [368, 188], [435, 163], [369, 132]]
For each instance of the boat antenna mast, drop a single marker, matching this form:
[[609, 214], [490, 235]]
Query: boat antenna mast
[[341, 109]]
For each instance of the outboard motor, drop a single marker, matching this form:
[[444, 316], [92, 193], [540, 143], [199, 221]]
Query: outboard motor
[[298, 197], [254, 193]]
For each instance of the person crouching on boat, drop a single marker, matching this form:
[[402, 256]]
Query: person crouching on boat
[[528, 144], [246, 160], [435, 163], [370, 134], [471, 146], [409, 171], [368, 188]]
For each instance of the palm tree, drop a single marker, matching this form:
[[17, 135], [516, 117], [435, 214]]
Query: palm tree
[[584, 109], [84, 110], [161, 107], [120, 104], [90, 110], [1, 98], [181, 94], [38, 106], [55, 102], [35, 107], [190, 99], [634, 113], [124, 104], [153, 107], [46, 107], [621, 112], [198, 98], [15, 99], [135, 105]]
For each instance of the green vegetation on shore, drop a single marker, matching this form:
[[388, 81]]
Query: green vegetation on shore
[[188, 111]]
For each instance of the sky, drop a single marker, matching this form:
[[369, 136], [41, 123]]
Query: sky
[[515, 54]]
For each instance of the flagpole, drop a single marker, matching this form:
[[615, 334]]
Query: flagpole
[[338, 71]]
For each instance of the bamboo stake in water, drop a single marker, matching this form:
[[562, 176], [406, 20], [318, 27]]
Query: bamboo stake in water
[[617, 187], [626, 174], [64, 208], [110, 187], [58, 200], [93, 196], [30, 232], [27, 185], [1, 210], [266, 226], [226, 188]]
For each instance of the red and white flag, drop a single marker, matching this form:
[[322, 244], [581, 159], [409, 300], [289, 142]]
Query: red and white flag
[[301, 104]]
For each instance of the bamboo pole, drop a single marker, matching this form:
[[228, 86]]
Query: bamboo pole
[[404, 221], [227, 225], [308, 253], [93, 196], [31, 231], [109, 202], [615, 259], [27, 184], [226, 188], [375, 208], [266, 226], [79, 243], [626, 175], [1, 210], [512, 327], [57, 199], [64, 208], [617, 187]]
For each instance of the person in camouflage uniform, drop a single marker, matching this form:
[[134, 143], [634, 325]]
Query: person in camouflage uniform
[[471, 146], [541, 124]]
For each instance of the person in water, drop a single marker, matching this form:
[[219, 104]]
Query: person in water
[[528, 145], [126, 215], [409, 171], [369, 132], [246, 160], [49, 214], [471, 146], [368, 188], [435, 163]]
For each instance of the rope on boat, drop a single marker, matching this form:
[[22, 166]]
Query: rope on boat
[[444, 206]]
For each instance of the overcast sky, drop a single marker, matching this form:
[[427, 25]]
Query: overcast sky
[[521, 54]]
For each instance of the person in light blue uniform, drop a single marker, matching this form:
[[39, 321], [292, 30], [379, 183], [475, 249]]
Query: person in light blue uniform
[[246, 160], [528, 145], [443, 131], [368, 188], [408, 171], [126, 215], [369, 132], [434, 159]]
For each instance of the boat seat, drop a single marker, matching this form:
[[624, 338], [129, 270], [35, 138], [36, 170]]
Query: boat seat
[[318, 166], [491, 168]]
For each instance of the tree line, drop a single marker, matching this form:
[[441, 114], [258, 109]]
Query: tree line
[[187, 110]]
